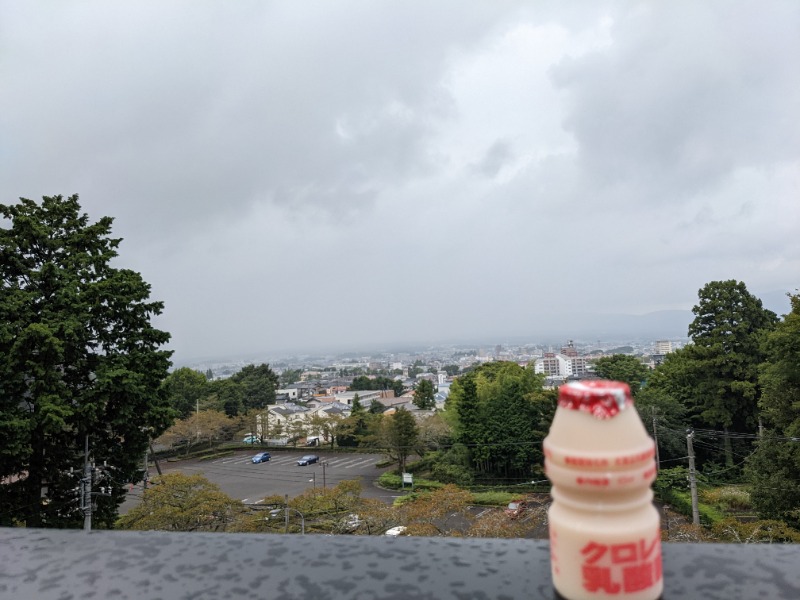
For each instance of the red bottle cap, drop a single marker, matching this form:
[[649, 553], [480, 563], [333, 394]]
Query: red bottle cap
[[601, 398]]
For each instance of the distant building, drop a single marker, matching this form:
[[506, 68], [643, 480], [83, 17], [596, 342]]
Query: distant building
[[569, 350], [553, 365], [563, 364], [663, 347]]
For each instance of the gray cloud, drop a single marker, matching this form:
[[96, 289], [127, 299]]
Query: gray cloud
[[299, 175]]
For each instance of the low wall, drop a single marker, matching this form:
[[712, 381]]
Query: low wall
[[62, 564]]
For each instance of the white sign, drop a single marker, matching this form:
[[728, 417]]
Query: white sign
[[408, 478]]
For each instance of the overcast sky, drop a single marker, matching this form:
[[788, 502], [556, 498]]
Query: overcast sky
[[301, 175]]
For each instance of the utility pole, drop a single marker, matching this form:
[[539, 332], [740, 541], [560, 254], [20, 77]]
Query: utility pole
[[155, 459], [324, 464], [286, 512], [86, 487], [145, 473], [655, 438], [692, 479]]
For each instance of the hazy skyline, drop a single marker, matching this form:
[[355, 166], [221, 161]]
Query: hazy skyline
[[303, 175]]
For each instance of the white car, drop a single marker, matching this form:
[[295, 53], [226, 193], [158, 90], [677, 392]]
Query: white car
[[395, 531]]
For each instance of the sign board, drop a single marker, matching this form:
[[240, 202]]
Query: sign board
[[408, 478]]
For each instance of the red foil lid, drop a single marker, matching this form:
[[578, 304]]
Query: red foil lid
[[601, 398]]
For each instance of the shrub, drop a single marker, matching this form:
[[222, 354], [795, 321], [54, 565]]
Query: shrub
[[493, 498], [728, 498], [755, 532], [393, 481]]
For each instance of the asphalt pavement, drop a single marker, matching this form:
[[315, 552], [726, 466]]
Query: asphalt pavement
[[240, 478]]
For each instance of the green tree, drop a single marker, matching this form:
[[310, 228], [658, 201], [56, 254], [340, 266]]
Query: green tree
[[290, 376], [258, 385], [79, 358], [774, 468], [660, 404], [185, 387], [451, 370], [400, 436], [227, 396], [501, 412], [725, 356], [203, 427], [364, 383], [178, 502], [621, 367], [424, 395]]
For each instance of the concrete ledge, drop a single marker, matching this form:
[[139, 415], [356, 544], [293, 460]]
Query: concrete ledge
[[63, 564]]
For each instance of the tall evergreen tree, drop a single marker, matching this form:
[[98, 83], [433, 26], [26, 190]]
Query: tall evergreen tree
[[725, 355], [424, 395], [775, 466], [400, 435], [79, 359]]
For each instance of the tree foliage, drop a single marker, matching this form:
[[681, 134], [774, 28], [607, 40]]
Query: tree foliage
[[775, 466], [622, 367], [78, 357], [399, 435], [178, 502], [501, 412], [365, 383], [424, 395], [203, 427], [185, 387], [257, 385], [726, 332]]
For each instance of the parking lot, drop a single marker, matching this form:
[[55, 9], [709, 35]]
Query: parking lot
[[238, 477]]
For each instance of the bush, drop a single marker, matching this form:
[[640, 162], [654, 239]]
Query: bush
[[449, 473], [393, 481], [728, 498], [493, 498], [755, 532], [681, 502]]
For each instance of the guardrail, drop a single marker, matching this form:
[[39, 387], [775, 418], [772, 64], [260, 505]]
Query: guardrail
[[46, 564]]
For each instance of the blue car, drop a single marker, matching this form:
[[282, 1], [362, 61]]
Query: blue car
[[261, 457]]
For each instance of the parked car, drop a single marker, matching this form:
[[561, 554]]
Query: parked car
[[261, 457], [307, 460], [251, 439], [395, 531]]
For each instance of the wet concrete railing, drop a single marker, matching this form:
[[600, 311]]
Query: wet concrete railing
[[61, 564]]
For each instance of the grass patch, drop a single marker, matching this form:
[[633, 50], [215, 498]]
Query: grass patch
[[393, 481], [728, 498], [493, 498]]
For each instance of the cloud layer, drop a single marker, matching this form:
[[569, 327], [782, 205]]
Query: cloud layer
[[303, 175]]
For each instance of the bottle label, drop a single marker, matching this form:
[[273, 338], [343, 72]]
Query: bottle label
[[621, 568], [600, 398]]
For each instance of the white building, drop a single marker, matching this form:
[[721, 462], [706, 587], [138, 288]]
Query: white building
[[663, 347], [553, 365]]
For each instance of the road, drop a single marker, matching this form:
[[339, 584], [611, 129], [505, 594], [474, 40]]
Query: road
[[238, 477]]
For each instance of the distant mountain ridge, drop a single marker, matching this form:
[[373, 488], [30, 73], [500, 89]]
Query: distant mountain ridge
[[663, 324]]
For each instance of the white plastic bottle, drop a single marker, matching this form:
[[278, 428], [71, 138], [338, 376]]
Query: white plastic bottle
[[605, 536]]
